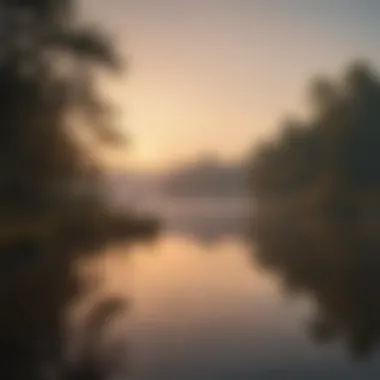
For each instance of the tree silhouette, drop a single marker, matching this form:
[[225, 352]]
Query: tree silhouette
[[52, 210], [316, 190]]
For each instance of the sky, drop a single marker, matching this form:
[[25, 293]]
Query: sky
[[218, 76]]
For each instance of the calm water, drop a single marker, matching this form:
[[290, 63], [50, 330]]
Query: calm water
[[203, 309]]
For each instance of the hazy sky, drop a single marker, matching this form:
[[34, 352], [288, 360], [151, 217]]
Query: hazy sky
[[218, 75]]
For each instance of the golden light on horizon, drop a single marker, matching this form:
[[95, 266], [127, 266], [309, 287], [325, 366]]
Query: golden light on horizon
[[209, 77]]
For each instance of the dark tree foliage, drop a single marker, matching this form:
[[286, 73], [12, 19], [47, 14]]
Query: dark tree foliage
[[52, 213], [316, 190]]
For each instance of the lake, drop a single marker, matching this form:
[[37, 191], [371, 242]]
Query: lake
[[203, 308]]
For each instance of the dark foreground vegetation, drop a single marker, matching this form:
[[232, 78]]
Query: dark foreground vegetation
[[52, 117]]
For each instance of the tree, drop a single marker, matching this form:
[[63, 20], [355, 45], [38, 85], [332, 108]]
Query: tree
[[316, 192], [47, 77], [49, 62]]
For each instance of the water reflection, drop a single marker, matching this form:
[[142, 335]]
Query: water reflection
[[334, 262], [203, 316]]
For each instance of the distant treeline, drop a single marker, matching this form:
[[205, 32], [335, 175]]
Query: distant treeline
[[206, 177]]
